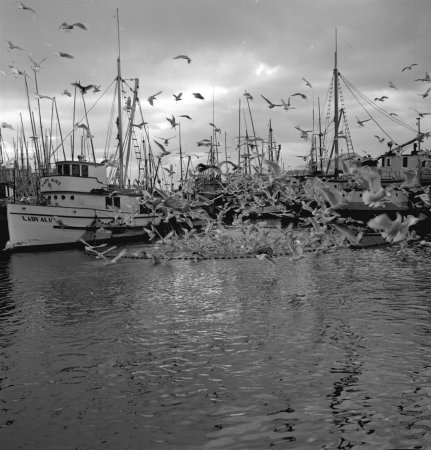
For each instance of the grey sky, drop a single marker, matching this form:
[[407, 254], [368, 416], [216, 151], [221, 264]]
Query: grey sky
[[264, 47]]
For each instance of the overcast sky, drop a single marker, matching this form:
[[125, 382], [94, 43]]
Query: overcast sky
[[264, 47]]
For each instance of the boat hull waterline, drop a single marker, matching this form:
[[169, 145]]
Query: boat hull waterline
[[36, 225]]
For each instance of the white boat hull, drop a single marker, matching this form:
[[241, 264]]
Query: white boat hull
[[40, 226]]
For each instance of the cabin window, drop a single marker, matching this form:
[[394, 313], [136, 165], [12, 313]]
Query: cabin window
[[60, 169], [75, 170], [84, 170], [405, 161], [66, 170], [112, 201], [388, 162], [383, 162]]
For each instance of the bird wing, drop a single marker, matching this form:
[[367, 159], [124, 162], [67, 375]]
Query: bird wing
[[300, 94], [79, 25], [266, 99], [274, 167], [162, 148]]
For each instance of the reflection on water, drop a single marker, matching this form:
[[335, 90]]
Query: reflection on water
[[328, 352]]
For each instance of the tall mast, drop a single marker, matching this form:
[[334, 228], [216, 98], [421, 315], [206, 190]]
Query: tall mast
[[181, 155], [336, 118], [120, 124]]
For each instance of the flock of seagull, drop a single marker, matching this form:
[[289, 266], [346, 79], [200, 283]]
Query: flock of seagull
[[315, 228]]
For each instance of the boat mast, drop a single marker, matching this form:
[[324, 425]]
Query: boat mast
[[336, 118], [181, 155], [120, 125]]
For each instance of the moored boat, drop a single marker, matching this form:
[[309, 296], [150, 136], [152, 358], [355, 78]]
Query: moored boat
[[78, 203]]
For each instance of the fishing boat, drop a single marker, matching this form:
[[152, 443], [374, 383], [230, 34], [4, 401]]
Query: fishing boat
[[6, 193], [339, 170], [86, 200], [76, 202]]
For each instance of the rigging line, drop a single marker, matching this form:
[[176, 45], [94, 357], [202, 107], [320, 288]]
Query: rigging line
[[371, 117], [382, 111], [70, 132]]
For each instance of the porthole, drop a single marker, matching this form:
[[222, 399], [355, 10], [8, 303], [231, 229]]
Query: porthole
[[63, 197], [55, 197], [72, 197]]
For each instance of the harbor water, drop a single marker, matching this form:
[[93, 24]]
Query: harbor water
[[331, 351]]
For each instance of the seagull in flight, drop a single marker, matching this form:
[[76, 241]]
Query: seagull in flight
[[36, 65], [270, 104], [197, 95], [7, 125], [420, 114], [217, 130], [40, 96], [248, 95], [64, 55], [381, 99], [165, 140], [178, 96], [139, 125], [162, 148], [380, 139], [172, 121], [187, 58], [83, 89], [391, 85], [66, 92], [68, 27], [186, 116], [26, 8], [303, 96], [408, 67], [151, 98], [361, 122], [426, 93], [425, 78], [12, 46], [286, 106], [307, 83], [170, 170]]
